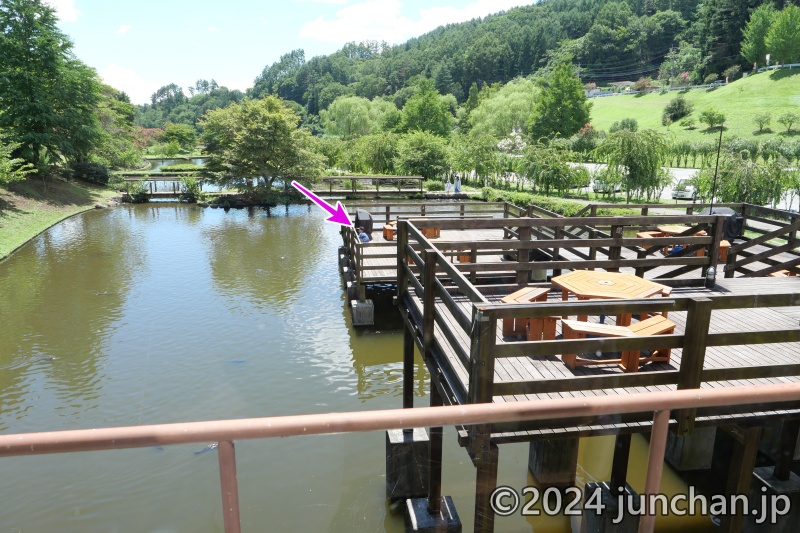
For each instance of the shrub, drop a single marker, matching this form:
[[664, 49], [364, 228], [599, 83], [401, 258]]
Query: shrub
[[629, 124], [730, 73], [93, 172], [675, 110], [643, 84], [711, 78], [688, 123], [788, 119], [762, 120], [712, 117], [182, 167], [191, 190], [137, 191], [433, 185]]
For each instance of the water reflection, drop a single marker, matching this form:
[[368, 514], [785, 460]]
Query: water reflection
[[62, 295], [264, 256]]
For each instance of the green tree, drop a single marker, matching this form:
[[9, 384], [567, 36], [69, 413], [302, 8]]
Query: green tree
[[712, 118], [12, 168], [788, 120], [421, 153], [505, 110], [349, 117], [762, 120], [183, 135], [783, 38], [638, 156], [562, 109], [257, 142], [754, 47], [47, 97], [426, 111], [742, 180]]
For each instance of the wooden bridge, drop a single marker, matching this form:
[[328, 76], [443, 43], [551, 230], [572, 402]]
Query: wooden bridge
[[362, 186], [734, 325]]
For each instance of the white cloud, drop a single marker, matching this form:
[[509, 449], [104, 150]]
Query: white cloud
[[125, 28], [322, 1], [65, 9], [382, 20], [124, 79], [213, 29]]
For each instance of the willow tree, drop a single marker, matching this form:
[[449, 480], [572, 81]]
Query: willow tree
[[256, 143], [638, 156], [742, 179]]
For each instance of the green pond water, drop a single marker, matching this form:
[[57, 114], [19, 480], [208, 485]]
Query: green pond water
[[166, 313]]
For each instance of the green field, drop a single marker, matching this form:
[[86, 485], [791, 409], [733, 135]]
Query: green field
[[775, 92]]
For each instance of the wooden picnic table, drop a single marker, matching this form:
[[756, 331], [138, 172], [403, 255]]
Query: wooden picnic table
[[599, 285]]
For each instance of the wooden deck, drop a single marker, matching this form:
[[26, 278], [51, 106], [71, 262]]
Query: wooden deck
[[555, 380]]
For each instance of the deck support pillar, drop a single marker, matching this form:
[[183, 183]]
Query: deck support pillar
[[776, 502], [553, 463], [436, 513], [740, 447], [602, 500], [486, 459], [363, 312], [693, 451], [601, 512], [407, 460]]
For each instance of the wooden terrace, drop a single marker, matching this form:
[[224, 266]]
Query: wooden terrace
[[728, 332]]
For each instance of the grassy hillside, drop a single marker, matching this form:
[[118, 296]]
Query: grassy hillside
[[776, 92], [27, 208]]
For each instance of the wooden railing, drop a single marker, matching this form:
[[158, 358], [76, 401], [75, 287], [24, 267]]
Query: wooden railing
[[550, 236], [392, 211], [391, 184], [775, 246]]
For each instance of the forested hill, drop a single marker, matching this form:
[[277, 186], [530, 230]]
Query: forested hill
[[609, 40]]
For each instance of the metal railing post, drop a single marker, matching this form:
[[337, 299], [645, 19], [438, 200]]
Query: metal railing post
[[655, 468], [229, 486]]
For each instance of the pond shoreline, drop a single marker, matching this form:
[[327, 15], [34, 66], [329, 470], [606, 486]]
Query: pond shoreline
[[26, 212]]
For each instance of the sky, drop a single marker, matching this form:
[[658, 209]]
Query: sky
[[140, 46]]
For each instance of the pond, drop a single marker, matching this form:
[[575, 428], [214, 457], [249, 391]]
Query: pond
[[153, 314]]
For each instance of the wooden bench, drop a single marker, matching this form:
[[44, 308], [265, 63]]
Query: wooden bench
[[388, 231], [514, 327], [630, 360]]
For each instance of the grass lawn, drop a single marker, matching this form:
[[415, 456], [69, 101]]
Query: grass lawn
[[776, 92], [27, 208]]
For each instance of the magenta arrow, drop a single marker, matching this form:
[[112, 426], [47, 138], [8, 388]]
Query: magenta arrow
[[338, 214]]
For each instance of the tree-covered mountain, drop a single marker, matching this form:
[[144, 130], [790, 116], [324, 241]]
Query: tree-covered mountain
[[608, 40]]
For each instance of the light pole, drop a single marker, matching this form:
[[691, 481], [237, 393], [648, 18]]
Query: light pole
[[716, 169]]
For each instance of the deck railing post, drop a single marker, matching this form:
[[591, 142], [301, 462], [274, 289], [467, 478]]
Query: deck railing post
[[388, 213], [230, 489], [557, 234], [523, 255], [713, 251], [402, 259], [615, 251], [694, 353], [428, 301]]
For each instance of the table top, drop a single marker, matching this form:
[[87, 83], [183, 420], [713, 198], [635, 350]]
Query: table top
[[607, 285], [673, 230]]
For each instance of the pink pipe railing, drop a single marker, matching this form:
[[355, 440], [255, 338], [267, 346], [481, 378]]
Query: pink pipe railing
[[226, 431]]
